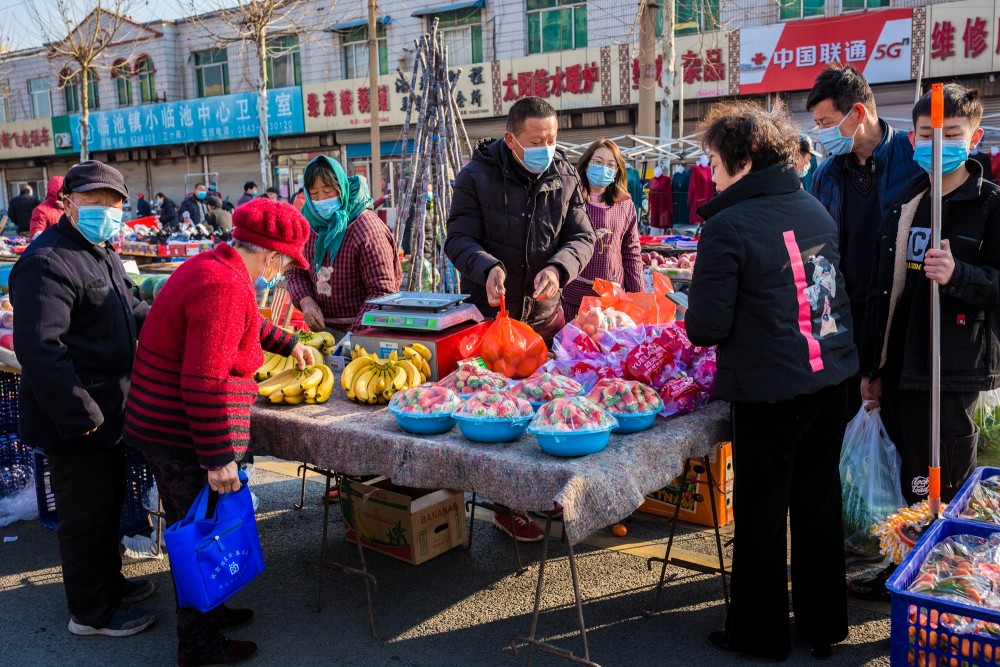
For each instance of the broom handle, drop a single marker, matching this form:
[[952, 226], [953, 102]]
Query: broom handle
[[934, 473]]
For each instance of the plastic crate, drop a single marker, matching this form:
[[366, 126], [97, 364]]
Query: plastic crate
[[961, 500], [917, 637], [13, 451], [9, 384], [138, 481]]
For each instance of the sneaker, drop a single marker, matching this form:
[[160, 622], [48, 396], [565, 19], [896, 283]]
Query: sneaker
[[230, 619], [554, 513], [518, 526], [127, 621], [137, 590], [231, 652], [874, 588]]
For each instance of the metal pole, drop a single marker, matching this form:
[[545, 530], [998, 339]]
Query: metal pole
[[934, 474], [920, 78], [375, 178]]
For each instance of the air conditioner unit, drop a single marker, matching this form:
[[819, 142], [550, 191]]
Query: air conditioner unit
[[64, 140]]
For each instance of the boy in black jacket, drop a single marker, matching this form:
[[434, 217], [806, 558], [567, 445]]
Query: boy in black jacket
[[895, 351]]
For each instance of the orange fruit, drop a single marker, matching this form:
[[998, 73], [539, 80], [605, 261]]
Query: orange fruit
[[618, 530]]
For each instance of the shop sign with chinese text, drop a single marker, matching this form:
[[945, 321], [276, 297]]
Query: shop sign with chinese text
[[703, 66], [26, 138], [962, 38], [788, 56], [191, 121]]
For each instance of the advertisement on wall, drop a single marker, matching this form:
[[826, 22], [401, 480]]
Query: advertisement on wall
[[210, 119], [961, 38], [703, 65], [26, 138], [788, 56]]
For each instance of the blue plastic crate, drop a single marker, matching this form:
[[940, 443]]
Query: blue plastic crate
[[138, 481], [13, 451], [918, 638], [961, 500], [9, 385]]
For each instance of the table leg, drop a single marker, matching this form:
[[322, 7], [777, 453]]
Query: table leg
[[471, 506], [666, 555], [531, 640], [718, 535], [493, 507], [303, 469]]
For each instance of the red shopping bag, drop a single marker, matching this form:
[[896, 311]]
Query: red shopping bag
[[512, 348]]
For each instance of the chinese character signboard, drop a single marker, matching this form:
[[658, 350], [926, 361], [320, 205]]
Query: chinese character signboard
[[962, 38], [788, 56], [702, 65], [27, 138], [191, 121]]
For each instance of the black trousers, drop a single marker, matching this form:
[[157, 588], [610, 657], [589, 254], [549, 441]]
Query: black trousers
[[786, 462], [179, 480], [89, 488], [906, 416]]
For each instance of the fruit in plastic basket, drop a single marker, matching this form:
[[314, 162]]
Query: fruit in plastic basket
[[571, 414], [542, 387], [372, 380], [293, 387], [426, 400], [495, 405], [622, 397], [469, 378]]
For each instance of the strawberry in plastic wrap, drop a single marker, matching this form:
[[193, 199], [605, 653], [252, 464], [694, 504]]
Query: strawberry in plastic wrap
[[575, 414], [624, 397], [545, 386], [703, 373], [426, 399], [495, 405], [469, 378]]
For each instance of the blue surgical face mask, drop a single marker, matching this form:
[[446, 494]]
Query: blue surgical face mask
[[213, 188], [601, 175], [834, 142], [201, 195], [268, 284], [326, 207], [254, 192], [954, 153], [537, 158], [98, 223], [801, 173]]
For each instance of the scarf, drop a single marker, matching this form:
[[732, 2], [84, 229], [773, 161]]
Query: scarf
[[354, 198]]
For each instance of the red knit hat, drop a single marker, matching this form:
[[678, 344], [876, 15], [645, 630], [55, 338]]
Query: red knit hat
[[274, 225]]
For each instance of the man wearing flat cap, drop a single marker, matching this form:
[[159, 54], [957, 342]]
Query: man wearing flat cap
[[77, 326]]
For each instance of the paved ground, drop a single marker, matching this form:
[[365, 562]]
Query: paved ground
[[458, 609]]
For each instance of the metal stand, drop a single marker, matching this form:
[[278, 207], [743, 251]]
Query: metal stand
[[531, 641], [322, 564], [303, 470], [470, 506], [721, 570], [160, 523]]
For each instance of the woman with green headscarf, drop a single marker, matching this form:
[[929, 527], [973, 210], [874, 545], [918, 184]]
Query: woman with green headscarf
[[351, 253]]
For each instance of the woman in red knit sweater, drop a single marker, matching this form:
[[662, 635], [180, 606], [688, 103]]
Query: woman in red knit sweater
[[617, 254], [188, 409]]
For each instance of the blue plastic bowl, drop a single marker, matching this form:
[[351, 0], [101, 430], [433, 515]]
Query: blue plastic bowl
[[635, 422], [480, 429], [572, 444], [423, 424], [537, 405]]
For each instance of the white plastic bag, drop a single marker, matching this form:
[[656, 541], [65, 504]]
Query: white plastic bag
[[18, 501], [869, 478]]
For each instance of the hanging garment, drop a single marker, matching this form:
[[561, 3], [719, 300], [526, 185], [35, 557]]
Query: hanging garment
[[661, 202], [681, 181], [700, 190]]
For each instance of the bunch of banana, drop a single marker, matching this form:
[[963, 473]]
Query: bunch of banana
[[419, 354], [273, 364], [370, 379], [323, 341], [292, 386]]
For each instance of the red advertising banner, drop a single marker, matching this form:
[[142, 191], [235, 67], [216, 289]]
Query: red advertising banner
[[788, 56]]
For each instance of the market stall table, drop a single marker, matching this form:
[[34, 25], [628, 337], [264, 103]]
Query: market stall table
[[595, 491]]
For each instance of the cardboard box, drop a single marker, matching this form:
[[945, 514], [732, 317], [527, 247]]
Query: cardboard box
[[413, 525], [693, 485]]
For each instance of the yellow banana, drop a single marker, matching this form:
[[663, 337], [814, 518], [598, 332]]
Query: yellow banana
[[294, 386], [361, 384], [352, 370], [295, 400], [399, 382], [310, 393], [313, 342], [310, 400], [275, 383], [325, 387], [425, 368], [313, 377], [270, 362], [277, 397], [424, 351], [327, 338], [375, 387], [412, 374], [327, 350]]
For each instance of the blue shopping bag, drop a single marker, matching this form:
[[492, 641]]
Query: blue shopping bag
[[214, 556]]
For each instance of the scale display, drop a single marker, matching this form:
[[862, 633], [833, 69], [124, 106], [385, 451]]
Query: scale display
[[420, 311]]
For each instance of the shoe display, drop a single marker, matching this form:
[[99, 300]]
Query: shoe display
[[127, 621], [518, 526], [230, 619], [231, 652], [137, 590]]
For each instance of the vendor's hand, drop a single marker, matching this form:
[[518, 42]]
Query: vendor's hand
[[303, 356], [546, 284], [939, 265], [312, 314], [91, 432], [225, 479], [495, 285], [871, 390]]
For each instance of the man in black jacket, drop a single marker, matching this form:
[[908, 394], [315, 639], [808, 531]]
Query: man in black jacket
[[78, 323], [20, 208], [193, 209], [518, 225]]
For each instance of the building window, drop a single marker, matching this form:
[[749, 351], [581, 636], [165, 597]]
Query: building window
[[5, 116], [146, 74], [71, 91], [41, 98], [693, 16], [462, 32], [283, 68], [355, 51], [212, 68], [122, 74], [556, 25], [860, 5], [793, 10]]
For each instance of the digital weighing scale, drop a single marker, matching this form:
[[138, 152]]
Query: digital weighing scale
[[450, 328]]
